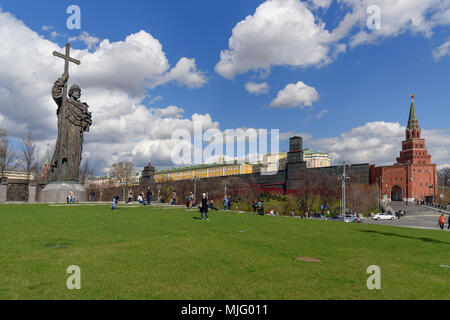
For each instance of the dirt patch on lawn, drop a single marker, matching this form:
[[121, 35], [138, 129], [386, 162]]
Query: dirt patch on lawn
[[307, 259]]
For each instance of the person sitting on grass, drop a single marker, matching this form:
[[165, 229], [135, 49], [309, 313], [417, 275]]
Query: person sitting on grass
[[114, 203], [291, 213], [141, 199], [211, 205], [70, 197]]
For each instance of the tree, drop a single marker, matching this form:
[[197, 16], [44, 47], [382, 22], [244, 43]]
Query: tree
[[29, 157], [444, 176], [7, 154], [444, 183], [309, 189], [123, 172], [86, 172]]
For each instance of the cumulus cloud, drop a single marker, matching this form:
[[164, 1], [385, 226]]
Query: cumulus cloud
[[257, 88], [320, 3], [441, 51], [184, 73], [290, 32], [295, 95], [87, 39], [280, 32], [397, 17], [380, 142], [169, 112], [114, 79]]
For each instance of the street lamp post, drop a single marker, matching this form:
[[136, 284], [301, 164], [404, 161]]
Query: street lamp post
[[343, 180], [379, 188], [195, 186], [225, 183], [158, 187]]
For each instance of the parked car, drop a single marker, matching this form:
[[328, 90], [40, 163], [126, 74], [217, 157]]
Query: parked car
[[383, 216]]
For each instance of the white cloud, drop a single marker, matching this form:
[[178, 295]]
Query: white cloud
[[287, 33], [295, 95], [257, 88], [289, 134], [318, 115], [397, 17], [380, 142], [89, 41], [441, 51], [184, 73], [140, 62], [281, 32], [169, 112], [320, 3], [55, 34], [47, 28]]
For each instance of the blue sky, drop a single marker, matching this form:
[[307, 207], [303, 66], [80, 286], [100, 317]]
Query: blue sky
[[368, 82]]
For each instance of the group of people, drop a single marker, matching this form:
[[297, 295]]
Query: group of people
[[227, 202], [192, 203], [143, 198], [258, 207]]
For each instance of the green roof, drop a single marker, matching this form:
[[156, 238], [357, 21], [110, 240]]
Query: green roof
[[413, 122], [198, 166], [47, 158]]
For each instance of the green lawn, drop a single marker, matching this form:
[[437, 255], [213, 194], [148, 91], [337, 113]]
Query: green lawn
[[156, 253]]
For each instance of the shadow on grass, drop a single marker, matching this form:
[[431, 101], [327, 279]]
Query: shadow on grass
[[197, 218], [392, 234]]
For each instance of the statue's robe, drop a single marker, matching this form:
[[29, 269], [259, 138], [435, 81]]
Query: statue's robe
[[73, 120]]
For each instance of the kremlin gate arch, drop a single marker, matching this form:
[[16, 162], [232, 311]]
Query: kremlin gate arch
[[396, 193]]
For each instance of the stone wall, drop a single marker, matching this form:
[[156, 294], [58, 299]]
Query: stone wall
[[17, 190]]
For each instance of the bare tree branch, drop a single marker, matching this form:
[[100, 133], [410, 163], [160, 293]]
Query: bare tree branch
[[7, 154], [29, 158]]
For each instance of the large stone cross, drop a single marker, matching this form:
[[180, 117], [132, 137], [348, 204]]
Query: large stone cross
[[67, 59]]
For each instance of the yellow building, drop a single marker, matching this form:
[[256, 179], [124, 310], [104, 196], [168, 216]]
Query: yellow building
[[203, 171], [18, 175], [316, 159]]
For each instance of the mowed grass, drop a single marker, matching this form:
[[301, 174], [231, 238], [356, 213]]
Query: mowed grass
[[166, 253]]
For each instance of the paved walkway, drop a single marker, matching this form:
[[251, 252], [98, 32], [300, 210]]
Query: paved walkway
[[417, 216]]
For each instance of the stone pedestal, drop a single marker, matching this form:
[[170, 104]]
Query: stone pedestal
[[3, 189], [59, 190]]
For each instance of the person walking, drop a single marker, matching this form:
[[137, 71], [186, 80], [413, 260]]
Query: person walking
[[448, 222], [441, 221], [204, 206], [225, 203], [230, 202], [191, 200], [130, 196]]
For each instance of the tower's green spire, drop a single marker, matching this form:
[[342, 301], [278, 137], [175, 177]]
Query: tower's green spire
[[47, 158], [413, 123]]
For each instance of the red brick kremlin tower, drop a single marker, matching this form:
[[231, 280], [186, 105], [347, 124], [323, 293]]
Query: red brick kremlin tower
[[413, 177]]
